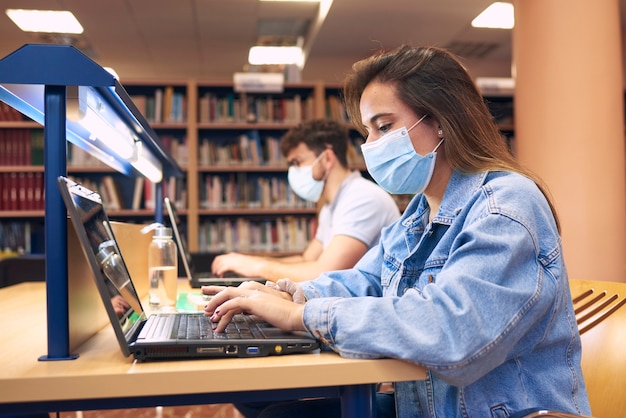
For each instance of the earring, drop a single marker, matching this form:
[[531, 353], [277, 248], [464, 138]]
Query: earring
[[440, 132]]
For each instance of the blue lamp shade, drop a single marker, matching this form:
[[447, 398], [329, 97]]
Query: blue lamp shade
[[101, 117]]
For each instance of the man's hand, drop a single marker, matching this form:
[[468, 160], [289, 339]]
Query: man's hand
[[244, 265]]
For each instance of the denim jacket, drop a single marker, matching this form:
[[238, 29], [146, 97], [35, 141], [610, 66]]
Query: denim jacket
[[479, 297]]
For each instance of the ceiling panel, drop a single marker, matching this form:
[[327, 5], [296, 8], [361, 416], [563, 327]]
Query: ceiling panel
[[209, 39]]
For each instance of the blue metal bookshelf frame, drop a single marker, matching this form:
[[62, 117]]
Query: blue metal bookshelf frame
[[34, 80]]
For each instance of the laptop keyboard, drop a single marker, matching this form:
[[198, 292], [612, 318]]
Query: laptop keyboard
[[198, 326]]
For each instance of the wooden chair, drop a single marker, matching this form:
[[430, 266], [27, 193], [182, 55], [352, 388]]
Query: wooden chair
[[600, 309]]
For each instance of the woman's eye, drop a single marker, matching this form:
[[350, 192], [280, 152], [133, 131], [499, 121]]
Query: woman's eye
[[385, 128]]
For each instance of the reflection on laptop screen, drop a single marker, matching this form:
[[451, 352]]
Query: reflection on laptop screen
[[103, 253]]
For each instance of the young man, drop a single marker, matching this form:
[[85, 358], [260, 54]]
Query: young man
[[354, 209]]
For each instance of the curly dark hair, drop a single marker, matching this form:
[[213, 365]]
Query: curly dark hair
[[318, 135]]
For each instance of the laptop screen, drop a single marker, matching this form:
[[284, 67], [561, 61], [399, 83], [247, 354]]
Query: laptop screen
[[177, 227], [101, 249]]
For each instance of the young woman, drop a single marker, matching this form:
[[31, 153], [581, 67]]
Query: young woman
[[469, 283]]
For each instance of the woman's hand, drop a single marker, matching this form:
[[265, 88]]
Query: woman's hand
[[273, 305]]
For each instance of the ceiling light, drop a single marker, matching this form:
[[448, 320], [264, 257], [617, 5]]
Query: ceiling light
[[51, 21], [277, 55], [498, 15]]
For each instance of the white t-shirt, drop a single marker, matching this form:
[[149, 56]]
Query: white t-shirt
[[360, 210]]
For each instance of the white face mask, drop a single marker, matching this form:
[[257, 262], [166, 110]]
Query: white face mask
[[394, 164], [302, 182]]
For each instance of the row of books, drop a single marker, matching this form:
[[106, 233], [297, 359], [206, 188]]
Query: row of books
[[163, 105], [335, 109], [21, 237], [21, 191], [246, 108], [286, 234], [177, 146], [21, 146], [77, 157], [244, 149], [10, 114], [121, 192], [244, 190], [251, 149]]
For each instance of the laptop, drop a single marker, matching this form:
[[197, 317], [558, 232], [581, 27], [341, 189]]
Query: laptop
[[196, 278], [162, 335]]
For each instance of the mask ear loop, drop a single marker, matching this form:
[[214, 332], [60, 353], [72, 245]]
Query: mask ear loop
[[438, 145], [416, 123], [317, 160]]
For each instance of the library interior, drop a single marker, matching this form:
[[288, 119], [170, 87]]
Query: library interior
[[207, 115]]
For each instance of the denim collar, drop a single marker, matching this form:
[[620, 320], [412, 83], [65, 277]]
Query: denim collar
[[461, 187]]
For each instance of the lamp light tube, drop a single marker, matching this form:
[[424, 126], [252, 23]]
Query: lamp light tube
[[86, 107], [147, 164]]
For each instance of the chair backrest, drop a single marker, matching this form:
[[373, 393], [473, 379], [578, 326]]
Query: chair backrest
[[600, 309]]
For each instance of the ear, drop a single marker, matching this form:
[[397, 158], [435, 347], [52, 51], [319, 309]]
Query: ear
[[329, 159]]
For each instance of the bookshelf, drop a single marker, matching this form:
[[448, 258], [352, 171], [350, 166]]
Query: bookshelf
[[234, 194]]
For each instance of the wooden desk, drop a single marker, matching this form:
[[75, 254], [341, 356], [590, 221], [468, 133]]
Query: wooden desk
[[102, 378]]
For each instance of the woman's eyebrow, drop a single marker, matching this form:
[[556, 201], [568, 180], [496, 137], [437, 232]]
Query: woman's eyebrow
[[377, 116]]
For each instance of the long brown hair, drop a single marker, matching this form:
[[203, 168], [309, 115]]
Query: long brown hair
[[433, 82]]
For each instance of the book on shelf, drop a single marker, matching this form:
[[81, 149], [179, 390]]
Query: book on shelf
[[168, 99], [176, 189], [112, 193], [149, 191], [36, 147], [138, 193], [157, 116]]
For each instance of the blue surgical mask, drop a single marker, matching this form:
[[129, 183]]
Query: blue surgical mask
[[302, 182], [394, 164]]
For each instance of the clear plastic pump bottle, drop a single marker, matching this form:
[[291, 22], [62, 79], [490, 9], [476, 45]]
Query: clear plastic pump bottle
[[162, 269]]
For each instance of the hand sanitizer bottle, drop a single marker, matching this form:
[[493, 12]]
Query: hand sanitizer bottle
[[162, 269]]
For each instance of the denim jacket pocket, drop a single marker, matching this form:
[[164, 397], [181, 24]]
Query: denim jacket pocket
[[499, 411], [389, 269]]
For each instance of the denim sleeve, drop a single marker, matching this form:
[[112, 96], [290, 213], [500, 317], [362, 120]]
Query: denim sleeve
[[362, 280], [489, 301]]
